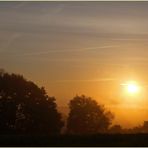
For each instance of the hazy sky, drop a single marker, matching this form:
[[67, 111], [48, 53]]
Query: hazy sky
[[78, 48]]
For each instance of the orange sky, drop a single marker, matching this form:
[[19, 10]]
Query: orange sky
[[80, 48]]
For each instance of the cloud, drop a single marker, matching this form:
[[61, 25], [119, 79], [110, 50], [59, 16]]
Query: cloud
[[129, 39], [65, 50], [91, 80]]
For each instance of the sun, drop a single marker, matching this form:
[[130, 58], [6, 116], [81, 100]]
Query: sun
[[132, 93], [131, 87]]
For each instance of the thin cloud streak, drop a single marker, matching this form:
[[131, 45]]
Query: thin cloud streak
[[129, 39], [66, 50], [93, 80]]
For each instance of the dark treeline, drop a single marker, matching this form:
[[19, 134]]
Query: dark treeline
[[26, 109]]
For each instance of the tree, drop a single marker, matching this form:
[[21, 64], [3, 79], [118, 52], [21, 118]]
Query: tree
[[25, 108], [87, 116], [116, 129]]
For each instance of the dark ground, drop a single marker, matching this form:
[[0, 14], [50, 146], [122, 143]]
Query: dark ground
[[67, 140]]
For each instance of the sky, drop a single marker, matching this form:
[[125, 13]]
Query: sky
[[79, 48]]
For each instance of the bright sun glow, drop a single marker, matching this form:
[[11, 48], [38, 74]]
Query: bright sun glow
[[132, 87]]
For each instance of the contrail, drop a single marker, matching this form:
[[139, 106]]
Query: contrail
[[65, 50]]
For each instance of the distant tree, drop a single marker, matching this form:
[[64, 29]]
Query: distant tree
[[25, 108], [141, 128], [136, 130], [116, 129], [87, 116], [2, 71]]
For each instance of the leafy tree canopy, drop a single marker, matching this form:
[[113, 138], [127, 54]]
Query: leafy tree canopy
[[25, 108], [87, 116]]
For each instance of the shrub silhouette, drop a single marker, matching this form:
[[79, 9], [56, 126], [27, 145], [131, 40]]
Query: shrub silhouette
[[87, 116], [25, 108]]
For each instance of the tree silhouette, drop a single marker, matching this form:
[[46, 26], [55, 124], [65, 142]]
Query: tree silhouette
[[116, 129], [87, 116], [25, 108]]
